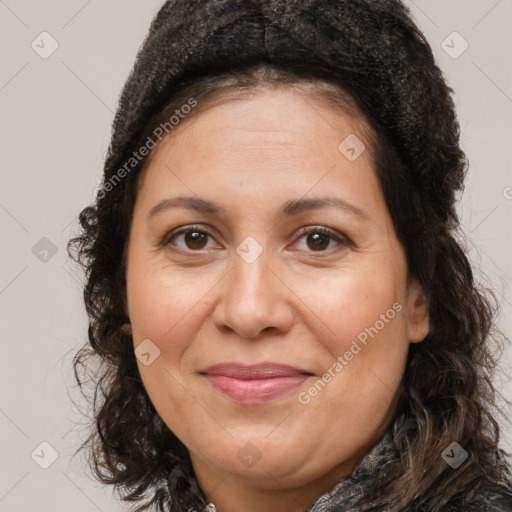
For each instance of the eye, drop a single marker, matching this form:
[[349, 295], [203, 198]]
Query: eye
[[318, 238], [195, 238]]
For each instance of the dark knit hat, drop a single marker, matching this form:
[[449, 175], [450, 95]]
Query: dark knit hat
[[370, 46]]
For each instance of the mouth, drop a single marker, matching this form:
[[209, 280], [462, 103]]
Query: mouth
[[254, 384]]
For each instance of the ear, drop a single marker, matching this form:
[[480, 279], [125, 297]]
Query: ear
[[416, 311]]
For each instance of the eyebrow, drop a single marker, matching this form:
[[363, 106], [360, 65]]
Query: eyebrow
[[292, 207]]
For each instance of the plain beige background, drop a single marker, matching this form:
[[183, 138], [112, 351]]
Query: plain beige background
[[56, 118]]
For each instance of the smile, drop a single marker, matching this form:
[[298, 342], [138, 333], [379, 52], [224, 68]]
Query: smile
[[254, 384]]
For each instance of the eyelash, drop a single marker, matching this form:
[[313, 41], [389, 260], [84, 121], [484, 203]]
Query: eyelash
[[166, 240]]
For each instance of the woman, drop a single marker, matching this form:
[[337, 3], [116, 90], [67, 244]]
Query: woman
[[284, 317]]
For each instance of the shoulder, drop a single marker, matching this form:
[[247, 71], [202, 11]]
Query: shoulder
[[493, 494], [495, 501], [479, 496], [485, 500]]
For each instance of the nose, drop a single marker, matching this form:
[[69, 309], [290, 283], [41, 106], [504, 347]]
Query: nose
[[254, 300]]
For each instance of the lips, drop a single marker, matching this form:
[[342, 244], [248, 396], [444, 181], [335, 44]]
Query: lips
[[254, 384]]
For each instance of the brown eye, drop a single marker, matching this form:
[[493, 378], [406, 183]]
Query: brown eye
[[318, 239], [195, 239], [190, 238]]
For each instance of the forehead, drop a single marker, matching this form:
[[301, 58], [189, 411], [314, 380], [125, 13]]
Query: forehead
[[264, 145]]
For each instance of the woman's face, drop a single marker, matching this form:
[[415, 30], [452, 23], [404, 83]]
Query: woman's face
[[272, 349]]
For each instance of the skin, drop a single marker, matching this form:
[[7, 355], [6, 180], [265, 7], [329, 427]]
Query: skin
[[202, 304]]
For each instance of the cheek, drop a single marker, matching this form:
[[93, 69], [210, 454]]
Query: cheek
[[347, 304], [163, 308], [362, 314], [166, 309]]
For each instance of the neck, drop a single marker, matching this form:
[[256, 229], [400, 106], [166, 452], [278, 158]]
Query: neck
[[232, 493]]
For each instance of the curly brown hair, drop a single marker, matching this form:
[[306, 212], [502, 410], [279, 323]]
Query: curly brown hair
[[447, 390]]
